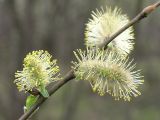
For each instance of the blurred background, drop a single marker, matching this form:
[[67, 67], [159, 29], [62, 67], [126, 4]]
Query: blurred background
[[58, 26]]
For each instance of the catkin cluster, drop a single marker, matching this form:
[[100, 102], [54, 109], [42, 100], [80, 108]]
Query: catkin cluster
[[108, 71]]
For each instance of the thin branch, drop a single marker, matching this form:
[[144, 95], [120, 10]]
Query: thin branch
[[145, 12], [41, 99]]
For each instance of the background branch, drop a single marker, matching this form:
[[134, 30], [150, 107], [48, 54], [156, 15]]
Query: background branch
[[144, 13]]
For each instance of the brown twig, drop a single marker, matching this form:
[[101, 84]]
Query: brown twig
[[144, 13], [41, 99]]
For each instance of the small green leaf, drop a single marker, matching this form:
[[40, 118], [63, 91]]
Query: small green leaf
[[30, 101], [43, 91]]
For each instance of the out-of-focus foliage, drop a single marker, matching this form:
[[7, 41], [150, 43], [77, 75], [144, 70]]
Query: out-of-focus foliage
[[58, 26]]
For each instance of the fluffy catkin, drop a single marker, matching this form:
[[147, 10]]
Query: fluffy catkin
[[103, 24], [108, 73]]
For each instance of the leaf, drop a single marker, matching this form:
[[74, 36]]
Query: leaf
[[43, 91], [30, 101]]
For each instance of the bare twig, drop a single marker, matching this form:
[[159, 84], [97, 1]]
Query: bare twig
[[144, 13]]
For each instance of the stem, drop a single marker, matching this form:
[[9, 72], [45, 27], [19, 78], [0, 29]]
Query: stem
[[144, 13], [41, 99]]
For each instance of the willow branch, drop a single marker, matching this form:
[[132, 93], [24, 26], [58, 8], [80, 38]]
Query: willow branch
[[144, 13], [41, 99]]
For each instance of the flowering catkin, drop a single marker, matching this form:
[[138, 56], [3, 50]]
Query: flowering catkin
[[38, 71], [107, 72], [103, 24]]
